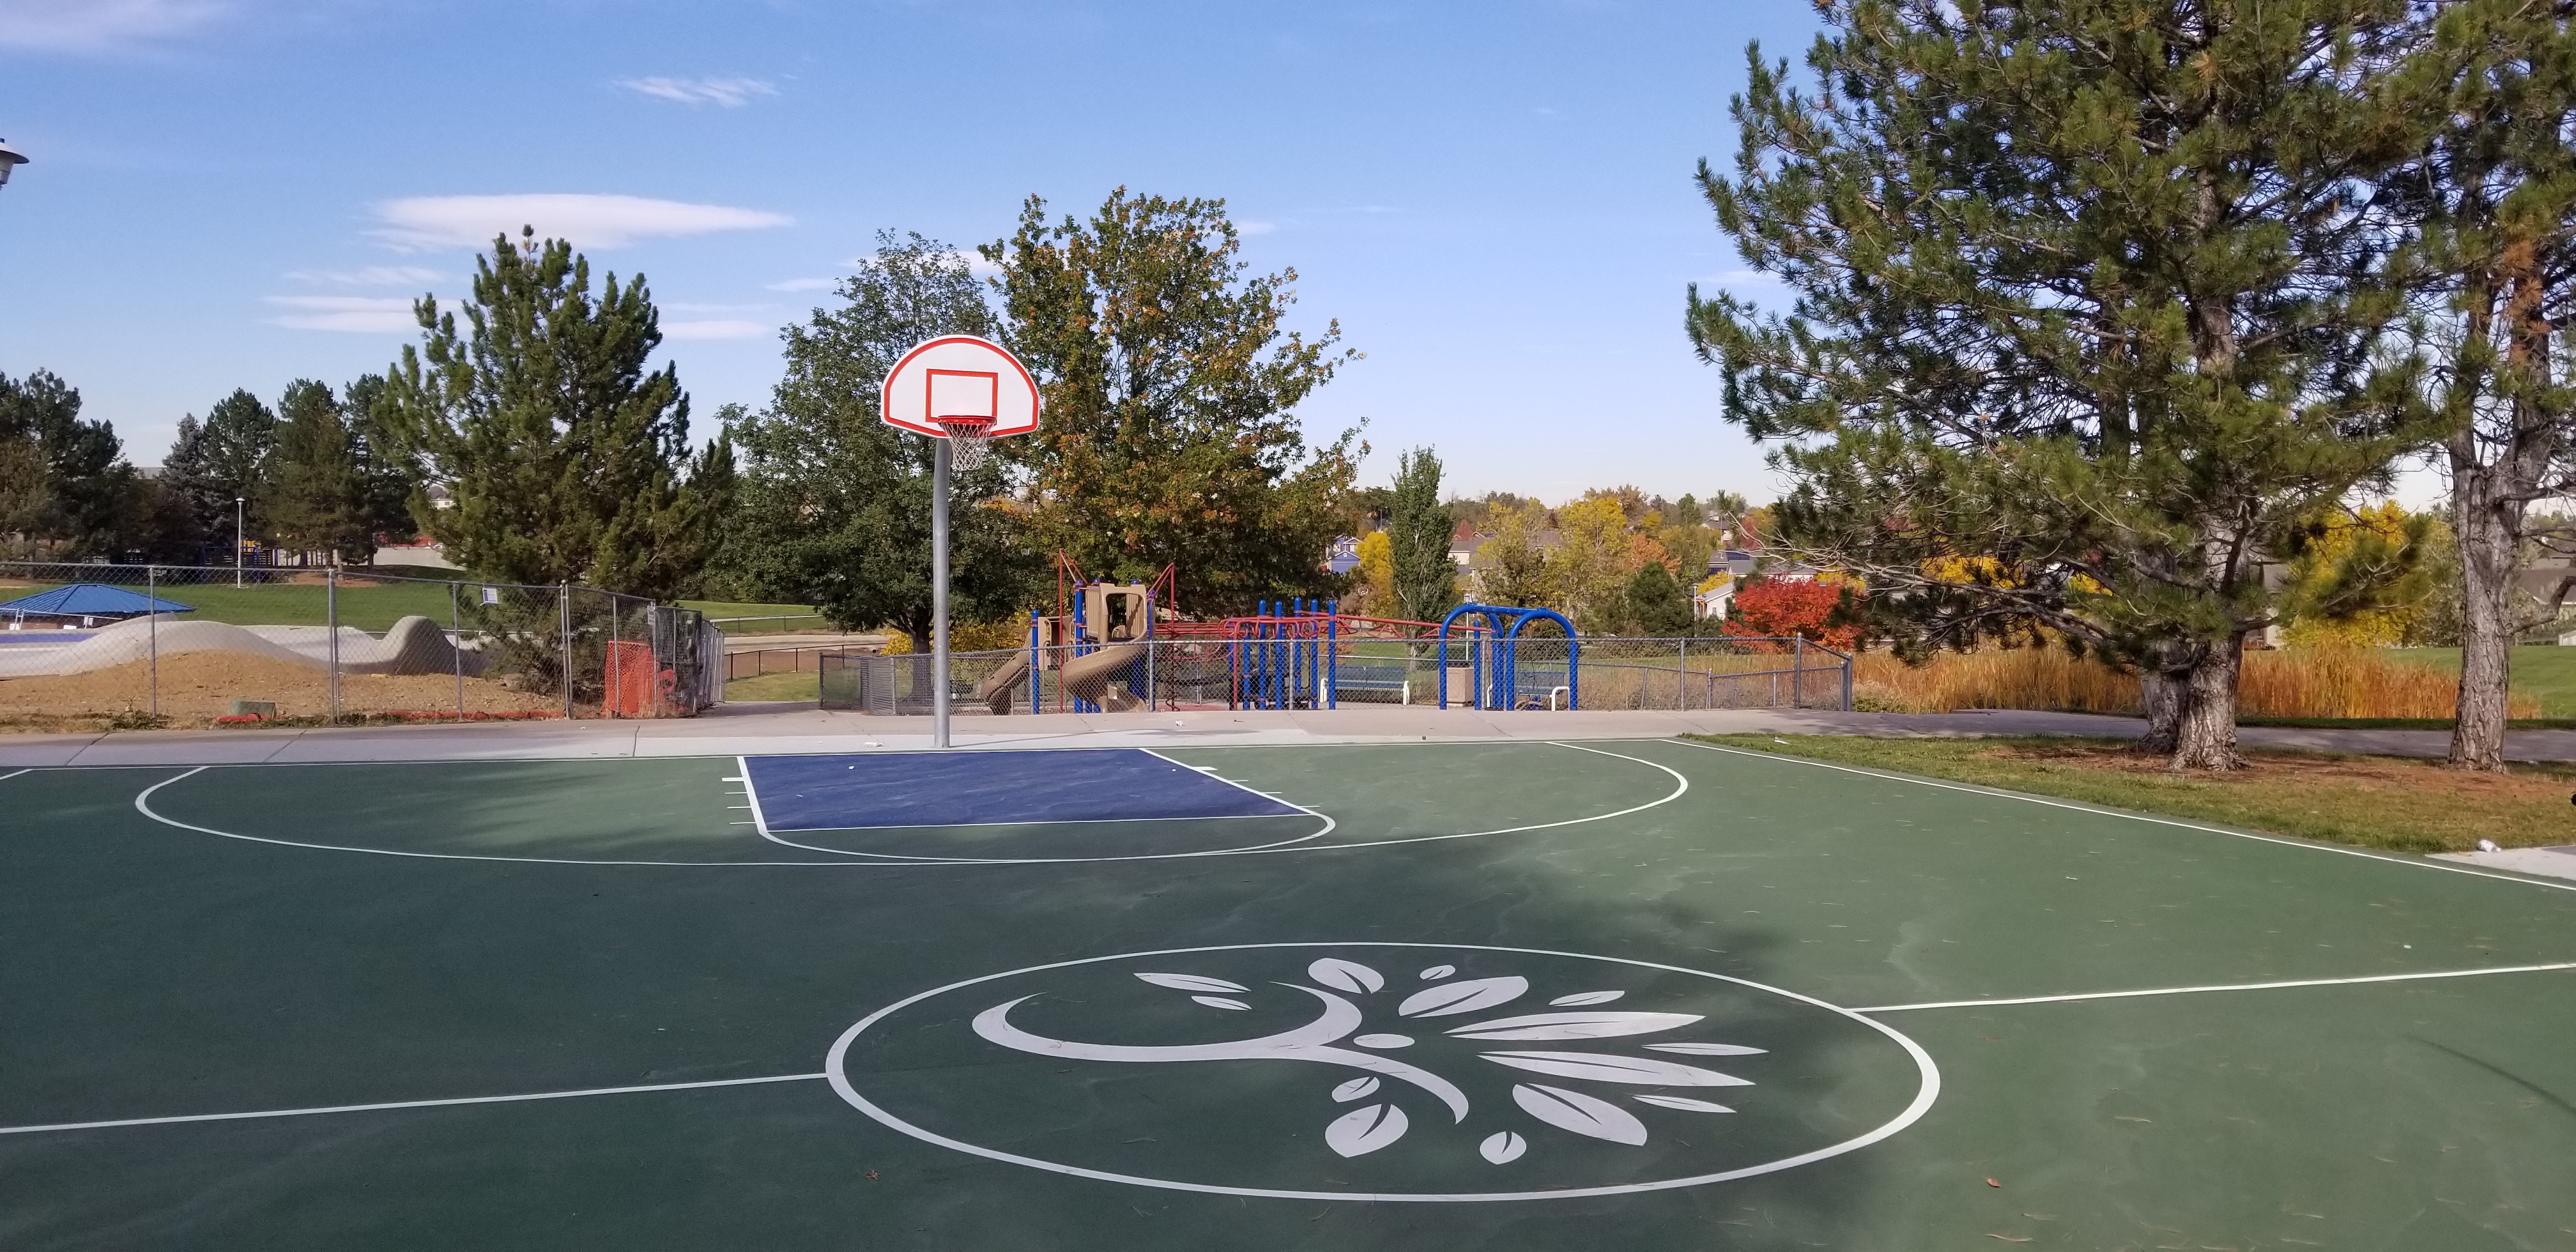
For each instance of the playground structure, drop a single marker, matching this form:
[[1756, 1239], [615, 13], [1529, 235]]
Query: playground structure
[[1115, 647]]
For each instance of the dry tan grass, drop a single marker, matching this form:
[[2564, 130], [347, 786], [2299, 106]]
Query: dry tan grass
[[2298, 682], [197, 687]]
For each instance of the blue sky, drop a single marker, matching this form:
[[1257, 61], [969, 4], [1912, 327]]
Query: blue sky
[[1495, 200]]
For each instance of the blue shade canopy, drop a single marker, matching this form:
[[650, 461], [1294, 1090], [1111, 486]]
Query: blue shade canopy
[[91, 600]]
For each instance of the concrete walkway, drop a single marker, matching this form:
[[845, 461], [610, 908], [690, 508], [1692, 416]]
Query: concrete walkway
[[735, 729]]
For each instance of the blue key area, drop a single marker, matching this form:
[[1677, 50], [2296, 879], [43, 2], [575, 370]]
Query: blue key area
[[991, 788]]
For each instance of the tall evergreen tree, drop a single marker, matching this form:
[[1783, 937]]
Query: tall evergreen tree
[[2090, 287], [2493, 203], [1418, 531], [311, 499], [1170, 433], [220, 460], [566, 460], [69, 490], [187, 484], [835, 504], [387, 477]]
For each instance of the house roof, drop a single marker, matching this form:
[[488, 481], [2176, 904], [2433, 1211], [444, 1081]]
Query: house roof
[[91, 600]]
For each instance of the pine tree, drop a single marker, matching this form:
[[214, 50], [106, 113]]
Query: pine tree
[[221, 460], [835, 504], [2493, 205], [67, 488], [2091, 287], [311, 498], [1658, 607], [1418, 530], [387, 477], [566, 460]]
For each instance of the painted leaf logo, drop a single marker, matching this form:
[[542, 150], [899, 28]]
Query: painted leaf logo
[[1381, 1071], [1348, 995]]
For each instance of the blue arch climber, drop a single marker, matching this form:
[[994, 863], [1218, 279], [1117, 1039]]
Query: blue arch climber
[[1493, 657]]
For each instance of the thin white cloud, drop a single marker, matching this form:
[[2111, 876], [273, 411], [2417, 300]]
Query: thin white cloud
[[367, 315], [717, 328], [803, 284], [371, 276], [730, 93], [421, 223], [99, 25], [1255, 228], [693, 306]]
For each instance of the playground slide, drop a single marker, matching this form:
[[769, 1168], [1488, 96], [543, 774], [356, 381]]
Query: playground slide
[[995, 691], [1088, 677]]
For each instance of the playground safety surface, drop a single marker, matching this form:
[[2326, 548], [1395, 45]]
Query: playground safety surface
[[1510, 994]]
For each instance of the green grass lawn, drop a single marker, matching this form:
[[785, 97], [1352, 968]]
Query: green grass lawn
[[2541, 669], [376, 606], [2378, 802], [784, 685], [368, 607], [800, 616]]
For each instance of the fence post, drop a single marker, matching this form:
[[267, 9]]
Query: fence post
[[1847, 677], [331, 624], [563, 619], [1798, 675], [1681, 679], [1153, 694], [1332, 654], [152, 627], [456, 646]]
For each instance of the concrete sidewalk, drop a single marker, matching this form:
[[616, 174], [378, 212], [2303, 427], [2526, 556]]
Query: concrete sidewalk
[[737, 729]]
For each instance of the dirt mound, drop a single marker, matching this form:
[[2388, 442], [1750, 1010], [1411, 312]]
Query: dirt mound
[[197, 687]]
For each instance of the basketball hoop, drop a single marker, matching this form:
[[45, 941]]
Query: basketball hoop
[[968, 391], [970, 438]]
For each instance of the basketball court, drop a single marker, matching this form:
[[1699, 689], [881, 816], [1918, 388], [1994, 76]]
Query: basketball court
[[1651, 994]]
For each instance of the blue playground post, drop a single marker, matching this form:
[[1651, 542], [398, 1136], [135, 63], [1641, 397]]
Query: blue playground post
[[1035, 705]]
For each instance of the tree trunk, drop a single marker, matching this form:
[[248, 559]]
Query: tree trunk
[[2205, 732], [2161, 693], [2489, 536]]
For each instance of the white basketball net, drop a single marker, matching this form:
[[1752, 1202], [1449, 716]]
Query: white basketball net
[[969, 440]]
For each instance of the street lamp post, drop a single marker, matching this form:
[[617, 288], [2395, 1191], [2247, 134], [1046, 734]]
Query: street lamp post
[[237, 543], [10, 158]]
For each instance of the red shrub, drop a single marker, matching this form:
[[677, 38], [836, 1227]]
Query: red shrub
[[1779, 608]]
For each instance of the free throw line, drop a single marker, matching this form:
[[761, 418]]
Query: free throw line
[[406, 1104], [2240, 986]]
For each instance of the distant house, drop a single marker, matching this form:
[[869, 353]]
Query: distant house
[[1715, 600], [1345, 555]]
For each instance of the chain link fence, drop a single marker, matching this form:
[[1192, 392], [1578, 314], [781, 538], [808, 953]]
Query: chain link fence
[[1672, 674], [90, 646]]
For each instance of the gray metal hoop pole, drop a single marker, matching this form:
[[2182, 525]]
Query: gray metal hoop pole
[[939, 594]]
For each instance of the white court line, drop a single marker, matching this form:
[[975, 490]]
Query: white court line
[[15, 772], [1681, 786], [405, 1104], [2135, 817], [2241, 986], [751, 792], [142, 804]]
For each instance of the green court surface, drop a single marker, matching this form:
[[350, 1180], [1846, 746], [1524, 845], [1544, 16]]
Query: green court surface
[[1643, 995]]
